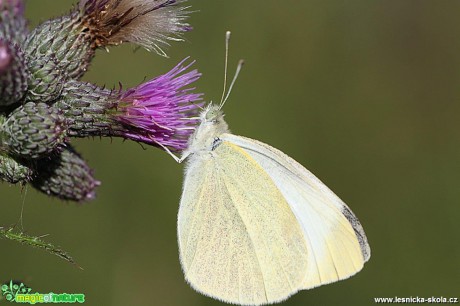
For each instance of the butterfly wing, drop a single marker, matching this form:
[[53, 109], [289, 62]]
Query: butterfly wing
[[239, 240], [337, 244]]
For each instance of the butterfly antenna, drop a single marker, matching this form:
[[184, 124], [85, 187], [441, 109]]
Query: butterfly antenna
[[227, 43], [238, 69]]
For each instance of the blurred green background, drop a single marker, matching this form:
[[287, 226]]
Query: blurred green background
[[365, 94]]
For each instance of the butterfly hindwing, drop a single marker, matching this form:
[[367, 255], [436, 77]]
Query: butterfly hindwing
[[239, 240]]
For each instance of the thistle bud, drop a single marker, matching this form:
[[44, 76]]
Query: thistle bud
[[46, 80], [13, 171], [57, 50], [33, 131], [61, 46], [87, 109], [13, 73], [66, 176]]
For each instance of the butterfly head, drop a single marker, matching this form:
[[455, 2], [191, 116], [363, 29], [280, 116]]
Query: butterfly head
[[212, 114], [212, 118], [212, 125]]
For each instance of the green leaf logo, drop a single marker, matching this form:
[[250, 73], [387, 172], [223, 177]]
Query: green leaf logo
[[9, 291]]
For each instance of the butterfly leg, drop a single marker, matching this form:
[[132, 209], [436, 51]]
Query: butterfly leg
[[177, 159]]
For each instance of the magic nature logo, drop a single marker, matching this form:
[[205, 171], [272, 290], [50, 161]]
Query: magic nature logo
[[19, 293]]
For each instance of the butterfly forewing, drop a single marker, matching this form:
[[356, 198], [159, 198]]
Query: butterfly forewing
[[336, 241]]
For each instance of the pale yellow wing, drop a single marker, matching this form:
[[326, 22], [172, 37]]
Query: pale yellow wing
[[337, 244], [239, 240]]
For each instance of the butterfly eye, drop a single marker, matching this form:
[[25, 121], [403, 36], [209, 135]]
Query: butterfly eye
[[211, 116]]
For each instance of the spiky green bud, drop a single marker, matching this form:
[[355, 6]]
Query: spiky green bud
[[13, 171], [88, 110], [62, 45], [57, 50], [46, 81], [13, 74], [66, 176], [33, 130]]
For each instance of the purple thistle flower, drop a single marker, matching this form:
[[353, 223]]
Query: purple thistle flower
[[160, 112]]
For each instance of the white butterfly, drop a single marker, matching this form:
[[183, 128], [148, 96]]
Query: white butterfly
[[255, 226]]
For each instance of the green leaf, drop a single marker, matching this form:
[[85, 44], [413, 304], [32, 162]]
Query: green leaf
[[35, 242]]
